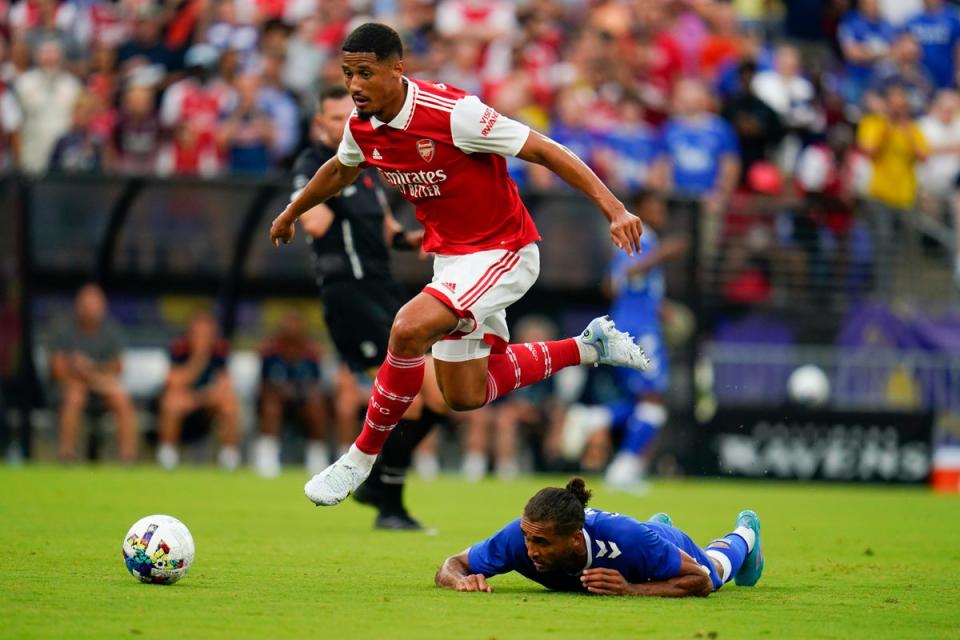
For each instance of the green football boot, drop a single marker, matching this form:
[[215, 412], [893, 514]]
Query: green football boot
[[752, 568], [661, 518]]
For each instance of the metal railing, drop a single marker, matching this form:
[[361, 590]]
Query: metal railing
[[781, 253]]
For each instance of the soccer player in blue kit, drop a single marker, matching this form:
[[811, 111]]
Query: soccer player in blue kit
[[565, 546], [636, 284]]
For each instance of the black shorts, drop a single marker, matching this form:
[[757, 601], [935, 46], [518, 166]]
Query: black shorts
[[359, 314]]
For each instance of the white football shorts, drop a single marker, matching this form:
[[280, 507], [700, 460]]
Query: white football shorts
[[479, 287]]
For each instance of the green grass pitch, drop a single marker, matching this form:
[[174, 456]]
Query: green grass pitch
[[842, 562]]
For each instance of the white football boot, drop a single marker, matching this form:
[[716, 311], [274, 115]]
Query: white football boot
[[612, 346], [332, 485]]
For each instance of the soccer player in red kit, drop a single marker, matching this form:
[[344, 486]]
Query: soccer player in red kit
[[444, 150]]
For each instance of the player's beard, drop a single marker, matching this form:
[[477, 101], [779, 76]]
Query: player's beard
[[364, 115]]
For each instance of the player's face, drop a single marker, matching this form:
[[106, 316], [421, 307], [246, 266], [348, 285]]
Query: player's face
[[373, 84], [332, 117], [551, 551]]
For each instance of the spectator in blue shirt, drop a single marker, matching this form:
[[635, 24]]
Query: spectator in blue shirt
[[902, 68], [865, 39], [246, 131], [630, 157], [79, 150], [937, 30], [572, 129], [280, 104], [701, 148]]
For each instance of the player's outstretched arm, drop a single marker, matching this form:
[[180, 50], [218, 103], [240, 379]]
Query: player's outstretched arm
[[455, 574], [327, 182], [692, 580], [625, 228]]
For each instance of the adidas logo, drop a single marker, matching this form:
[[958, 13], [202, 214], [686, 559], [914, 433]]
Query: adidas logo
[[451, 285], [376, 154]]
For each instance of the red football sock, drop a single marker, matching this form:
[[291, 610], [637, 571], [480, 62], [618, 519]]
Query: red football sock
[[525, 364], [397, 383]]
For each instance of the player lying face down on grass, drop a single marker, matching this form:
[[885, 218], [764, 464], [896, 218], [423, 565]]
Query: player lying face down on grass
[[444, 151], [565, 546]]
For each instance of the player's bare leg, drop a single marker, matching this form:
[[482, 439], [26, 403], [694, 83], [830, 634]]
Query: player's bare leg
[[474, 383], [465, 385], [419, 323]]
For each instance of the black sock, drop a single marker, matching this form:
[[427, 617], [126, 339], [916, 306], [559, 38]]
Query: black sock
[[389, 472]]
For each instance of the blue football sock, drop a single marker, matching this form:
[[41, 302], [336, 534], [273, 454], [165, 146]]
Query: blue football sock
[[620, 412], [734, 549], [643, 425]]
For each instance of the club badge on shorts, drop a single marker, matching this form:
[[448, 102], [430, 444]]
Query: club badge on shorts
[[425, 148]]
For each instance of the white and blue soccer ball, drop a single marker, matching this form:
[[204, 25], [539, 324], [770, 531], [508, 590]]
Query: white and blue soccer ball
[[158, 549], [809, 386]]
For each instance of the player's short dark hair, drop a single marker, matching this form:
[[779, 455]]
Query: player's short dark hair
[[333, 92], [563, 508], [375, 38]]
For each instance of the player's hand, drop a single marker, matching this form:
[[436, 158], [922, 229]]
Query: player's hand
[[625, 232], [606, 582], [282, 229], [475, 582]]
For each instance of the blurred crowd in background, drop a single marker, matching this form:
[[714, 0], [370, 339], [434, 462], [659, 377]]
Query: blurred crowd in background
[[290, 401], [847, 107], [828, 99]]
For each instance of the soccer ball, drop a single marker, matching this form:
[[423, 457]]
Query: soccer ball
[[158, 549], [809, 386]]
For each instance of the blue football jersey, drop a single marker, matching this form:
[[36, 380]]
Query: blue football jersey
[[640, 551], [938, 33], [637, 298], [636, 310], [635, 150], [872, 34], [695, 147]]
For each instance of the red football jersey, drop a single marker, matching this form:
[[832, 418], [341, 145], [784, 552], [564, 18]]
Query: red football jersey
[[445, 152]]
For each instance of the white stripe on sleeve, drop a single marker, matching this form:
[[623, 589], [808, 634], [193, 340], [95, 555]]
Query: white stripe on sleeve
[[477, 128], [349, 152]]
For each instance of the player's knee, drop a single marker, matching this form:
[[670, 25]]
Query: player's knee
[[465, 400], [407, 337]]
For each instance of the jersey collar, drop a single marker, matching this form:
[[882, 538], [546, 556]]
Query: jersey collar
[[589, 543], [402, 119]]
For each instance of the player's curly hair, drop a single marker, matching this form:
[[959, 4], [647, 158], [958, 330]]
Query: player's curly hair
[[563, 508], [375, 38]]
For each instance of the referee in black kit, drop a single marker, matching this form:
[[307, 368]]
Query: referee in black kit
[[350, 235]]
